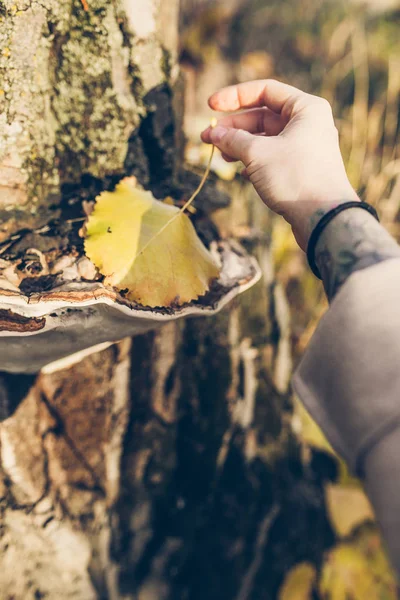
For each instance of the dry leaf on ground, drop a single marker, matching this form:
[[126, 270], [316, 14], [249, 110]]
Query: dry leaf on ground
[[299, 583], [358, 570], [348, 507]]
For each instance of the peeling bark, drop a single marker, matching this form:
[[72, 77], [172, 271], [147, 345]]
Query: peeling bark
[[165, 466]]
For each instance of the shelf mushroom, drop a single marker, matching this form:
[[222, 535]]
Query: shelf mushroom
[[65, 310]]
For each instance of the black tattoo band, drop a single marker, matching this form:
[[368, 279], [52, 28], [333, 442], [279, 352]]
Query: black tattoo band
[[324, 221]]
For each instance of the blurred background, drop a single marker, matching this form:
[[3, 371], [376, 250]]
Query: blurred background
[[349, 52]]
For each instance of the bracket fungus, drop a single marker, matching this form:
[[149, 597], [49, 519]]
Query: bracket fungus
[[149, 267], [66, 309]]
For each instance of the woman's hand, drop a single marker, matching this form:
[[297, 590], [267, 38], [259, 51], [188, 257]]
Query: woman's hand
[[288, 143]]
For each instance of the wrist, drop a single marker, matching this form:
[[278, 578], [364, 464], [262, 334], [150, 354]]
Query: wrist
[[312, 211], [353, 240], [330, 218]]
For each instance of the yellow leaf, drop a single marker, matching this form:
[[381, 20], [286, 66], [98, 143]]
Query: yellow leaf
[[309, 431], [369, 542], [113, 228], [299, 583], [358, 570], [346, 576], [347, 508], [172, 268]]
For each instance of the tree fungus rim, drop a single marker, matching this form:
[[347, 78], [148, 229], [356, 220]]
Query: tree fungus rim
[[38, 329]]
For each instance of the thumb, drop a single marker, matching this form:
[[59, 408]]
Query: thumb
[[236, 143]]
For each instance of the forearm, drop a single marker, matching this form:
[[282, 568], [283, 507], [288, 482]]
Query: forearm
[[352, 241], [349, 380], [382, 484]]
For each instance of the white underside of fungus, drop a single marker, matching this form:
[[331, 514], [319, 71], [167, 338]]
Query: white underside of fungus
[[77, 315]]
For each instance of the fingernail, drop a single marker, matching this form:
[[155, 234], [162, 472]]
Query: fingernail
[[217, 133]]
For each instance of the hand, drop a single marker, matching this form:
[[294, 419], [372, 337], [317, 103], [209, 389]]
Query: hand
[[289, 146]]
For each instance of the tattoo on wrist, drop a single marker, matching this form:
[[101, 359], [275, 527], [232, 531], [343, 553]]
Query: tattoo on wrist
[[353, 241]]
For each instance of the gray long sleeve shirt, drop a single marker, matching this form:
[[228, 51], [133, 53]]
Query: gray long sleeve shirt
[[349, 380]]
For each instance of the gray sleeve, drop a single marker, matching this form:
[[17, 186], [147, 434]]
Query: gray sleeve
[[349, 380]]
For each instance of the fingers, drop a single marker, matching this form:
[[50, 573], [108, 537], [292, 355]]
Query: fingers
[[258, 120], [264, 92], [235, 144], [245, 174], [227, 158]]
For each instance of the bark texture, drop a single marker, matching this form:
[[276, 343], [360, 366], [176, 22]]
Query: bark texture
[[162, 467]]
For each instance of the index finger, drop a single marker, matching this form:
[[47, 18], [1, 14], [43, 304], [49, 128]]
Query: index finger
[[263, 92]]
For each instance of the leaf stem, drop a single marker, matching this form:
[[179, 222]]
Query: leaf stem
[[201, 184], [185, 206]]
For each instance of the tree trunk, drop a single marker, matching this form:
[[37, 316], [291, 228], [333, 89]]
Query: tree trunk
[[163, 466]]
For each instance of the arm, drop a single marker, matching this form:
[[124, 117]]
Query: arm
[[353, 241], [349, 378]]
